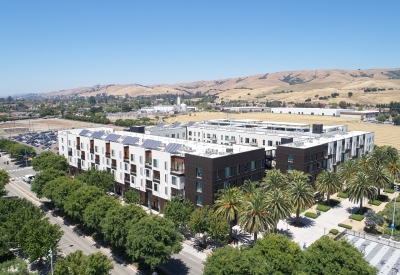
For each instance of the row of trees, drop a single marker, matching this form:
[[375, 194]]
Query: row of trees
[[135, 122], [149, 240], [93, 119], [16, 150]]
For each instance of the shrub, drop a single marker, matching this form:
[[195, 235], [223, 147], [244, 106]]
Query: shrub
[[356, 217], [343, 195], [334, 202], [382, 198], [397, 199], [323, 208], [381, 213], [311, 215], [345, 226], [390, 191], [375, 202], [365, 209], [334, 231], [373, 220]]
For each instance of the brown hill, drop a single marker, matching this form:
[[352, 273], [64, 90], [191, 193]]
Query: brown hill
[[303, 84]]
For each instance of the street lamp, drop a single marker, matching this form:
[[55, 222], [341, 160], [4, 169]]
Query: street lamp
[[396, 188], [51, 260]]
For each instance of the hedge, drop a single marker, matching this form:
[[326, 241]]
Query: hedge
[[397, 199], [382, 198], [390, 191], [311, 215], [343, 195], [334, 231], [375, 202], [345, 226], [356, 217], [323, 208], [334, 202], [381, 213]]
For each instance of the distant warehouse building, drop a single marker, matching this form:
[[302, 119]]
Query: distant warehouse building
[[362, 115], [310, 111]]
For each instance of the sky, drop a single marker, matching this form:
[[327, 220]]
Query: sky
[[53, 45]]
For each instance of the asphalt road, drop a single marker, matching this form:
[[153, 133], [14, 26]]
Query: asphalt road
[[183, 263]]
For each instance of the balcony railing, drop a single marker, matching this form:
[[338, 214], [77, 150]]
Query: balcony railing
[[97, 161], [107, 155], [178, 171], [126, 158], [78, 147], [149, 185], [253, 143], [70, 153], [113, 166], [148, 164], [82, 157], [127, 180], [92, 151], [232, 140], [156, 178]]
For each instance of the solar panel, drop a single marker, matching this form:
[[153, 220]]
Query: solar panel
[[160, 125], [97, 135], [112, 137], [176, 124], [130, 140], [83, 132], [191, 123], [172, 147], [151, 144]]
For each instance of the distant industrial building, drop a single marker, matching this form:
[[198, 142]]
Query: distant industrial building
[[310, 111], [361, 115]]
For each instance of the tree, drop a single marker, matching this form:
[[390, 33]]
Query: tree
[[48, 159], [254, 216], [92, 100], [343, 104], [119, 220], [394, 114], [282, 254], [37, 237], [235, 261], [381, 118], [396, 120], [359, 188], [348, 169], [302, 195], [4, 179], [274, 179], [178, 211], [350, 94], [132, 196], [373, 220], [326, 256], [96, 211], [64, 190], [249, 188], [77, 202], [20, 151], [78, 263], [99, 178], [199, 220], [42, 178], [328, 182], [227, 205], [279, 205], [4, 242], [153, 240], [51, 186], [379, 176]]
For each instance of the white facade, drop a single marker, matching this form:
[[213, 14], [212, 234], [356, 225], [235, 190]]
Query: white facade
[[309, 111], [363, 115]]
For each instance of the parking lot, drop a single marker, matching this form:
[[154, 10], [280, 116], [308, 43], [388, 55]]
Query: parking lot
[[43, 141]]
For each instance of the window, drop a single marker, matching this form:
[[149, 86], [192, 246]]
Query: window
[[228, 172], [226, 185], [245, 167], [126, 166], [69, 143], [155, 163], [199, 187], [312, 168], [246, 140], [155, 186], [290, 167], [120, 154], [183, 135], [166, 190], [112, 153], [132, 179], [199, 172], [147, 173], [141, 182], [83, 163], [199, 200], [311, 157], [253, 165], [198, 134], [263, 142], [132, 157], [82, 145], [290, 158], [190, 133], [141, 159], [102, 150], [120, 165], [173, 135], [269, 142], [238, 169], [108, 161], [95, 149], [165, 165], [63, 147], [218, 174], [226, 137], [173, 180], [165, 178], [208, 135]]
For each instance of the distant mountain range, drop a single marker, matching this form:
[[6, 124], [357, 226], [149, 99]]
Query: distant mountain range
[[288, 86]]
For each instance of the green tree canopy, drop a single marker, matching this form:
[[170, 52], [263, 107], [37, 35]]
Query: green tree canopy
[[42, 178], [99, 178], [77, 202], [153, 240], [119, 220], [51, 186], [97, 210], [132, 196], [4, 179], [48, 159], [326, 256], [328, 182], [78, 263], [66, 187], [18, 151], [37, 237], [178, 211]]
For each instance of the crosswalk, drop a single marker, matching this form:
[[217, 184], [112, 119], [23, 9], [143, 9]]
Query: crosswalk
[[19, 169], [383, 257]]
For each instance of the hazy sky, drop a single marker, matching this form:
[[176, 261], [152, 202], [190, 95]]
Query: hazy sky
[[52, 45]]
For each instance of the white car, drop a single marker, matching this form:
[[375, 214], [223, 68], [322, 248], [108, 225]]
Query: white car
[[28, 178]]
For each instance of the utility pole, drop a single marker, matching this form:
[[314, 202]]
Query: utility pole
[[394, 208], [51, 260]]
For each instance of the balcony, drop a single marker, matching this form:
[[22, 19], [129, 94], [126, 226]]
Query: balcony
[[78, 147], [97, 161], [114, 166], [127, 181], [126, 158], [253, 143], [107, 154], [83, 157], [133, 172], [149, 185], [232, 141], [177, 171], [70, 153], [156, 178], [148, 165], [91, 151], [213, 138]]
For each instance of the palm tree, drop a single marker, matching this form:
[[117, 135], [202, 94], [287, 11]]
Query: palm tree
[[378, 156], [361, 187], [348, 169], [394, 170], [274, 180], [227, 205], [379, 177], [301, 195], [328, 182], [296, 175], [391, 153], [249, 188], [254, 216], [363, 162], [279, 205]]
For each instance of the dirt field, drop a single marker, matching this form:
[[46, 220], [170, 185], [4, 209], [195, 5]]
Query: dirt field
[[384, 134]]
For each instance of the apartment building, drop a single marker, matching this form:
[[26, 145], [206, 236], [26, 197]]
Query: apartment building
[[161, 167]]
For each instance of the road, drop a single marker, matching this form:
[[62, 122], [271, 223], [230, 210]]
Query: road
[[184, 263]]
